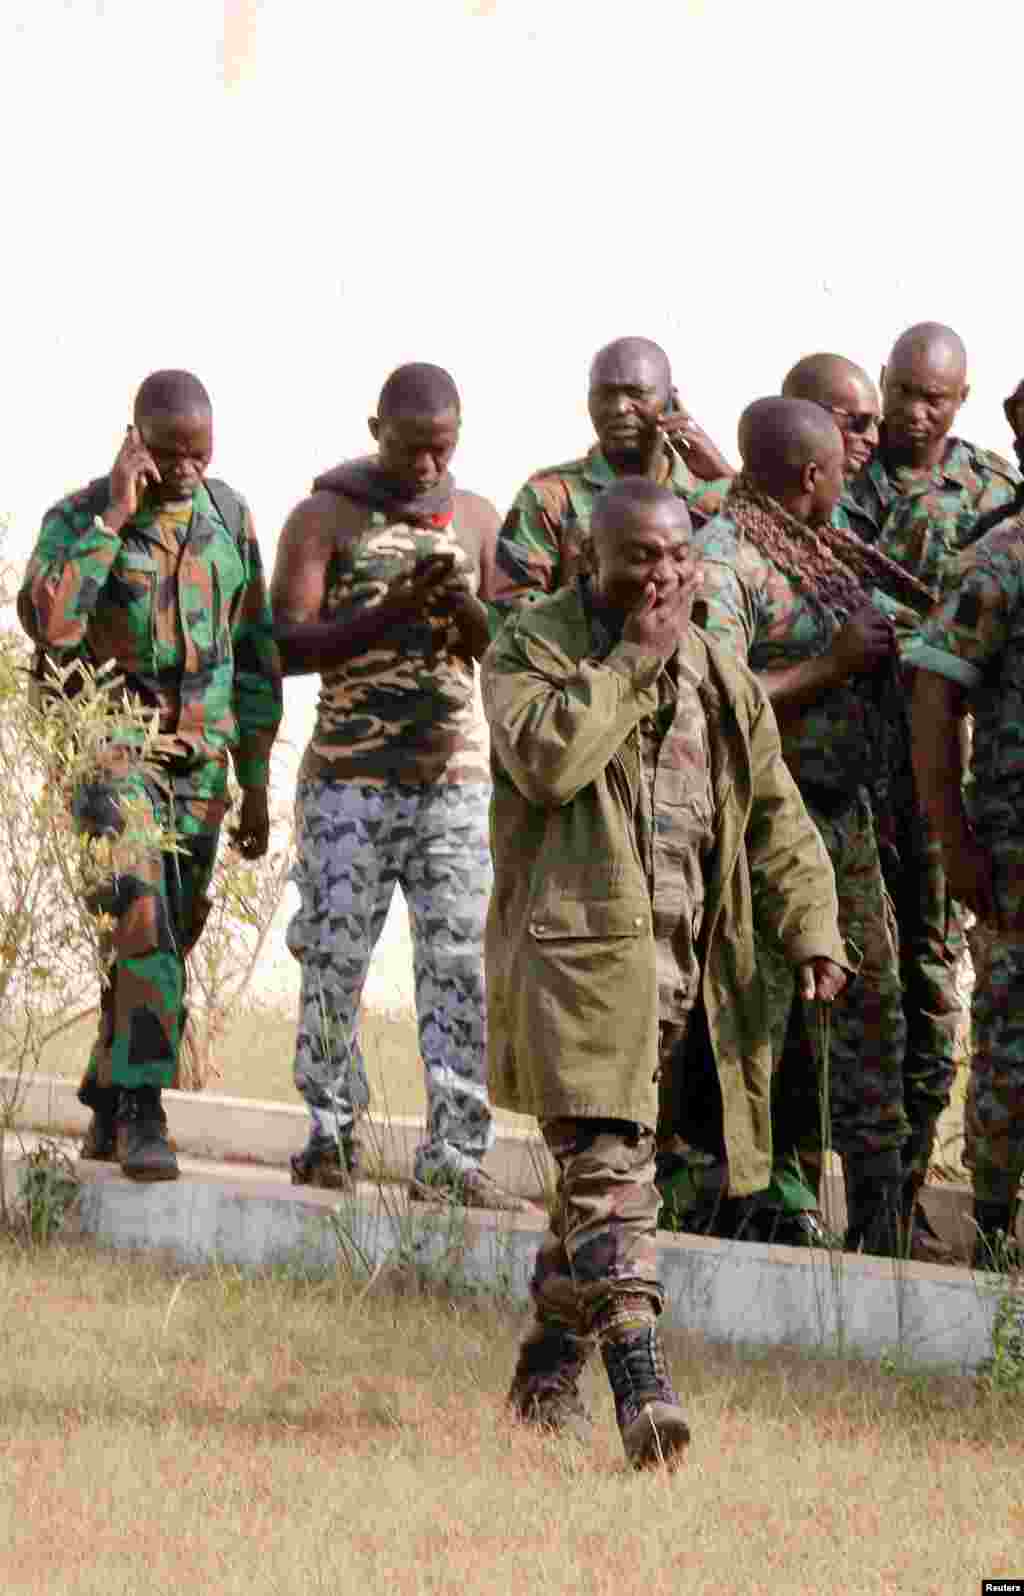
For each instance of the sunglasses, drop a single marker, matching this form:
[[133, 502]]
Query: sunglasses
[[857, 421]]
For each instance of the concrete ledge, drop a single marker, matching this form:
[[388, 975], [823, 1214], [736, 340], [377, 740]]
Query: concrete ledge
[[243, 1130], [247, 1131], [729, 1291]]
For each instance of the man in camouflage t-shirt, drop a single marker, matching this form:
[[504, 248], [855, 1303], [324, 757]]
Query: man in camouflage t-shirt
[[970, 657], [158, 571], [375, 588], [641, 430]]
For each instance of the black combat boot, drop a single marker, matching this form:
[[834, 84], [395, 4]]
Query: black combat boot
[[651, 1422], [100, 1140], [545, 1387], [143, 1150], [873, 1190], [994, 1244]]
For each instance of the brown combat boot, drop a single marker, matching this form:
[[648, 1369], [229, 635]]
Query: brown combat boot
[[651, 1421], [143, 1150], [920, 1240], [468, 1188], [545, 1387], [327, 1164]]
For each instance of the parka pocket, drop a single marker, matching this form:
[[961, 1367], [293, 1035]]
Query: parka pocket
[[600, 918], [134, 592]]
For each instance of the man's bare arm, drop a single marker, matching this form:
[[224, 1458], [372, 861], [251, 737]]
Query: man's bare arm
[[482, 521], [938, 707]]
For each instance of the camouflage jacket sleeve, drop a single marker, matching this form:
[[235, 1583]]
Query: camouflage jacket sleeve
[[792, 880], [528, 559], [725, 607], [972, 625], [557, 722], [68, 571], [257, 697]]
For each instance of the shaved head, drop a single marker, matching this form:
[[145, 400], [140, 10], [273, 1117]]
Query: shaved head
[[418, 389], [848, 393], [935, 345], [636, 499], [172, 393], [619, 361], [924, 383], [826, 380], [793, 451]]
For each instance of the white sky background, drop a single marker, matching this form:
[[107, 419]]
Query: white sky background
[[293, 197]]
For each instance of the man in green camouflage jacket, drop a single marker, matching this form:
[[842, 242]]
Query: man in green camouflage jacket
[[641, 431], [158, 572], [923, 498]]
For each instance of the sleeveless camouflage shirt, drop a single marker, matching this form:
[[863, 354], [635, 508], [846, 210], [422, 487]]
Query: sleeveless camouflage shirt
[[404, 711]]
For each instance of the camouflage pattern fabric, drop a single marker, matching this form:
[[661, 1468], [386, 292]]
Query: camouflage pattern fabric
[[543, 542], [674, 820], [602, 1242], [868, 1029], [753, 608], [181, 607], [995, 1094], [924, 521], [158, 904], [403, 711], [355, 845]]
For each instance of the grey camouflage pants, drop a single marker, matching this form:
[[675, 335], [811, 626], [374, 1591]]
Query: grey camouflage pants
[[355, 845]]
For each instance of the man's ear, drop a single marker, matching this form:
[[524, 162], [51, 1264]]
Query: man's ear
[[964, 394], [809, 476], [881, 380], [373, 423]]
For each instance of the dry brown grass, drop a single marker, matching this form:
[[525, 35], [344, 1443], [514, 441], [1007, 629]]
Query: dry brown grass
[[170, 1432]]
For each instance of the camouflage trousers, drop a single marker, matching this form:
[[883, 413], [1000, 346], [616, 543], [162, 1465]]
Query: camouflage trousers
[[158, 905], [867, 1026], [932, 943], [602, 1241], [355, 845], [994, 1111]]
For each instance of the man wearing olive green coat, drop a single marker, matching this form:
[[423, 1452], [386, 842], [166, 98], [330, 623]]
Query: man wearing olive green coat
[[643, 823]]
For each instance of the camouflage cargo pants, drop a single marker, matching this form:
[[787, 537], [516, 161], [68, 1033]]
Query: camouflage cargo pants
[[994, 1114], [355, 845], [868, 1029], [158, 904], [603, 1237], [932, 944]]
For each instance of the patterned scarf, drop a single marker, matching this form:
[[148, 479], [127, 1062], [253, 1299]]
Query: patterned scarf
[[365, 482], [835, 568]]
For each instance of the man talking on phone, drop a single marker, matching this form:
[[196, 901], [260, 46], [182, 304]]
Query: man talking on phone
[[377, 587], [156, 568], [642, 429]]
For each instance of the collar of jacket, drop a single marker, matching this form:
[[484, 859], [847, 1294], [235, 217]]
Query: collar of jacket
[[673, 472], [958, 468], [202, 504]]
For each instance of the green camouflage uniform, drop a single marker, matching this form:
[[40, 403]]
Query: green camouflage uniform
[[178, 602], [923, 522], [976, 637], [542, 543], [752, 607]]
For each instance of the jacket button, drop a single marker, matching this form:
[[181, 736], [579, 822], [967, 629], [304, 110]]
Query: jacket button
[[638, 920]]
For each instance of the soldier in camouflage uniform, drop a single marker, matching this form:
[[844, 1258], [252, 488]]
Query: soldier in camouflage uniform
[[375, 588], [794, 596], [921, 500], [970, 656], [643, 824], [634, 409], [158, 571]]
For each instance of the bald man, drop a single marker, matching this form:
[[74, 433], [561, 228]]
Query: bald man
[[377, 587], [794, 596], [848, 394], [641, 429], [643, 825], [155, 568], [926, 495]]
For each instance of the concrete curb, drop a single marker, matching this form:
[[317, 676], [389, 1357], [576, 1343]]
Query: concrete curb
[[253, 1218], [243, 1131]]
